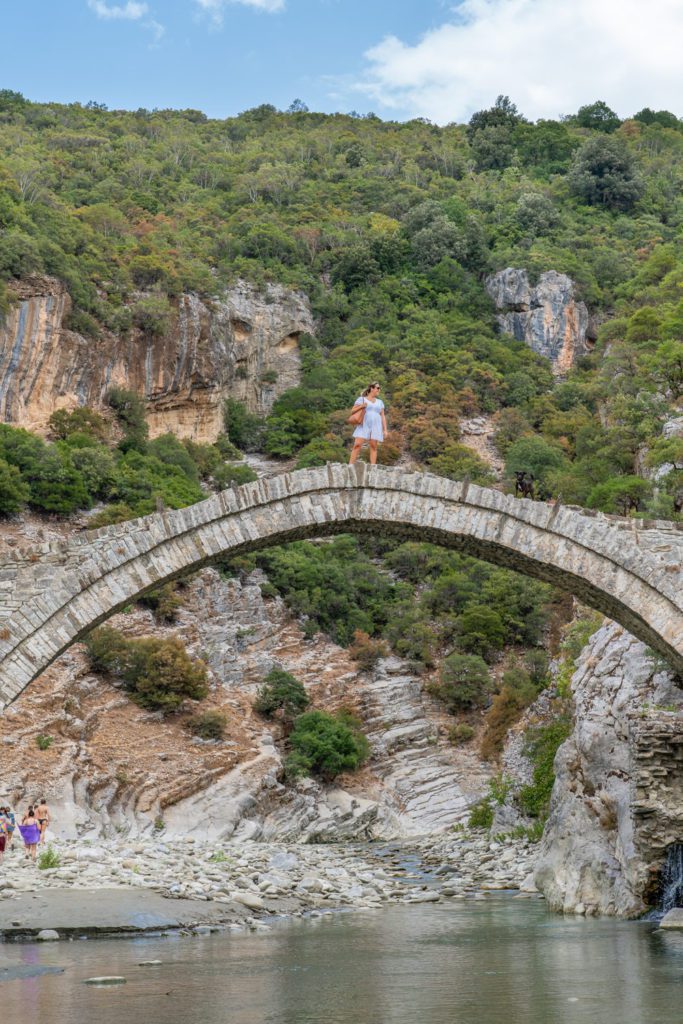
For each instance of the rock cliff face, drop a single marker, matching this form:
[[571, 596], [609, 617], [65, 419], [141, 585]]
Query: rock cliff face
[[616, 803], [114, 768], [547, 317], [243, 345]]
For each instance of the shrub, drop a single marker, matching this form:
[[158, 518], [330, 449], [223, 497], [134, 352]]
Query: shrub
[[481, 814], [158, 674], [365, 651], [464, 682], [44, 742], [83, 420], [14, 492], [130, 414], [326, 745], [209, 725], [152, 315], [118, 512], [244, 429], [281, 691], [164, 601], [541, 747], [106, 649], [603, 173], [49, 858], [233, 473], [480, 631], [461, 733]]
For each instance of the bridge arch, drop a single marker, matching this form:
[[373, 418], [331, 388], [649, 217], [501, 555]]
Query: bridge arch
[[52, 594]]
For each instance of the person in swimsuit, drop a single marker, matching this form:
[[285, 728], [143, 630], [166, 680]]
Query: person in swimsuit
[[11, 826], [43, 816], [30, 833], [4, 832], [374, 426]]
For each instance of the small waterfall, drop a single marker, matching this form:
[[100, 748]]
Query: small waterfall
[[672, 878]]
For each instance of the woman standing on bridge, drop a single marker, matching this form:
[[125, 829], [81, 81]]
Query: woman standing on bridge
[[368, 412]]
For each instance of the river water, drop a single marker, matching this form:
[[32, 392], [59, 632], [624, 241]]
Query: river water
[[500, 961]]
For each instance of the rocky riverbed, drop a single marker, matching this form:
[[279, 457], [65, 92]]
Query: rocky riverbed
[[248, 882]]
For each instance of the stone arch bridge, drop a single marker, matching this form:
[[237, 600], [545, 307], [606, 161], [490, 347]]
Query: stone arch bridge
[[51, 594]]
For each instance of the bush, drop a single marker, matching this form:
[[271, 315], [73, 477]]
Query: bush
[[14, 492], [209, 725], [244, 429], [130, 414], [365, 651], [233, 473], [83, 420], [281, 691], [461, 733], [44, 742], [49, 858], [480, 631], [326, 745], [158, 674], [604, 174], [541, 747], [164, 601], [481, 814], [464, 682]]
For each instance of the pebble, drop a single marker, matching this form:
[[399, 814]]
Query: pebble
[[47, 935], [455, 865], [106, 979]]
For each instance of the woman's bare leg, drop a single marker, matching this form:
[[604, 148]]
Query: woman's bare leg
[[355, 451], [373, 453]]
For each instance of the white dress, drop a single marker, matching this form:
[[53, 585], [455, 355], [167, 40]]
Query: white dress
[[371, 427]]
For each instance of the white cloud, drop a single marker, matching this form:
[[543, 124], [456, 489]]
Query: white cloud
[[216, 7], [549, 57], [132, 11]]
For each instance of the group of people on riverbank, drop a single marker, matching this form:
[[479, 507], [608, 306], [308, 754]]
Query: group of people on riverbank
[[32, 828]]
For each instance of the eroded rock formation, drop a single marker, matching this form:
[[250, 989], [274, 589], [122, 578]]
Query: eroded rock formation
[[616, 803], [547, 317], [242, 344], [113, 768]]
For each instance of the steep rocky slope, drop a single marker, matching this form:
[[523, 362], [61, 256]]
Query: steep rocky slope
[[113, 767], [243, 344], [613, 810]]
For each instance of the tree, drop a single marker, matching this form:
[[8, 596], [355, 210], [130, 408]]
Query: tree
[[464, 682], [282, 692], [14, 492], [326, 745], [480, 631], [598, 116], [535, 455], [604, 173], [130, 413], [503, 113], [621, 495]]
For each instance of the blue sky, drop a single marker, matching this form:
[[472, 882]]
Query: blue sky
[[439, 59]]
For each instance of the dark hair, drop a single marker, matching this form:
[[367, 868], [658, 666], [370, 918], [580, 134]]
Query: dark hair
[[375, 384], [30, 810]]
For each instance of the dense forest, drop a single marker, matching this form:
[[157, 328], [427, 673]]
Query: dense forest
[[390, 229]]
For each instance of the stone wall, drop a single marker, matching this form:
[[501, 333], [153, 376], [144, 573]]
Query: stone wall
[[242, 344], [54, 592]]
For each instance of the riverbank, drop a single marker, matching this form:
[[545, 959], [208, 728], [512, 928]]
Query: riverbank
[[116, 886]]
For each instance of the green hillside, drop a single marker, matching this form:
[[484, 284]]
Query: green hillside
[[390, 229]]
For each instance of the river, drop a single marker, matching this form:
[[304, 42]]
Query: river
[[499, 961]]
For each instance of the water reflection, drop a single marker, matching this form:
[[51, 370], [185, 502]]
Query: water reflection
[[502, 962]]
